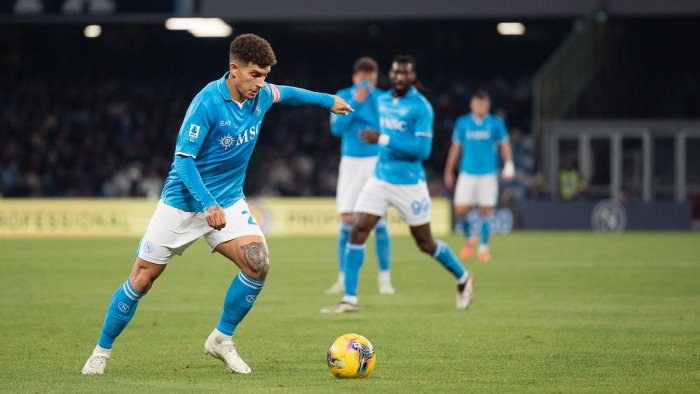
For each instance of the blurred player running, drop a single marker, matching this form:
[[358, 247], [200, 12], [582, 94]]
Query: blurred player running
[[405, 140], [203, 196], [357, 165], [474, 142]]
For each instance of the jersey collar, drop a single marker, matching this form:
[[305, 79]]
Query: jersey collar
[[223, 89]]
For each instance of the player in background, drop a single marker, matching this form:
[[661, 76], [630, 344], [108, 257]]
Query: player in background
[[357, 163], [475, 140], [405, 140], [203, 197]]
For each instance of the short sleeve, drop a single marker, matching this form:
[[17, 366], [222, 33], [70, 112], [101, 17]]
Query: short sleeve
[[457, 131], [501, 131], [199, 120], [424, 120]]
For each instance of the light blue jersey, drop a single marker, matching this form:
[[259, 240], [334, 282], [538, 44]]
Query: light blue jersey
[[366, 116], [479, 141], [408, 121], [220, 135]]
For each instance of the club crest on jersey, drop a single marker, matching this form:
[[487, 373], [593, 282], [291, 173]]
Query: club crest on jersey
[[258, 110], [194, 132]]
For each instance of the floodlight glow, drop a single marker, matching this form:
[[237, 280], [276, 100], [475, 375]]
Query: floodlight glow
[[200, 27], [92, 31], [511, 28]]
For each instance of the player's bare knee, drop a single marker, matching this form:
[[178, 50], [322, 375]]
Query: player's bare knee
[[257, 259], [426, 245], [461, 211], [359, 234]]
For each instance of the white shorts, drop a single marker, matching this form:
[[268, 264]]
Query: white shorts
[[411, 201], [172, 230], [472, 190], [352, 175]]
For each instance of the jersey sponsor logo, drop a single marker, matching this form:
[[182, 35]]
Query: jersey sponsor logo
[[393, 124], [246, 136], [225, 123], [123, 307], [478, 134], [194, 132]]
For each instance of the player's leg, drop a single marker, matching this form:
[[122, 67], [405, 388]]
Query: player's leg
[[243, 243], [120, 312], [371, 206], [383, 248], [165, 236], [414, 205], [347, 190], [488, 194], [343, 237], [441, 252], [464, 199]]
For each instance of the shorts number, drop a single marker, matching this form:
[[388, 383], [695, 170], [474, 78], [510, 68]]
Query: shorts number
[[422, 206], [250, 217]]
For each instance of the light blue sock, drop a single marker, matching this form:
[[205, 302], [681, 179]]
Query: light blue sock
[[239, 300], [485, 229], [382, 245], [354, 257], [119, 314], [466, 227], [444, 255], [343, 237]]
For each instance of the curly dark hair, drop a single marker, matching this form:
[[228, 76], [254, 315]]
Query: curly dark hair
[[249, 48]]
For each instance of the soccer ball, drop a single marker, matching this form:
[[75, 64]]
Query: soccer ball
[[351, 356]]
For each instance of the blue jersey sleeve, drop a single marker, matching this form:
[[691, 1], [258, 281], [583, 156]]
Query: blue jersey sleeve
[[502, 132], [457, 131], [297, 96], [188, 173], [199, 120]]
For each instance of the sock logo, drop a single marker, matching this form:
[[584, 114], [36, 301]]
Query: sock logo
[[250, 298], [124, 308]]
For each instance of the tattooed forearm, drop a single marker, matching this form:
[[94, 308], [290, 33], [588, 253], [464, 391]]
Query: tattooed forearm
[[256, 258]]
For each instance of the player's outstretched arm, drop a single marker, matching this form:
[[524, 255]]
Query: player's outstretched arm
[[297, 96]]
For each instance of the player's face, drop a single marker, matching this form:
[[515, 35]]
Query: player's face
[[249, 79], [369, 76], [402, 77], [480, 107]]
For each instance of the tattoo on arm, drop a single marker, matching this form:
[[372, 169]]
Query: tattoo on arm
[[255, 254]]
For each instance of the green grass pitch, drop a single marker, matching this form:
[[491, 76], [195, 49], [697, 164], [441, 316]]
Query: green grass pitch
[[553, 312]]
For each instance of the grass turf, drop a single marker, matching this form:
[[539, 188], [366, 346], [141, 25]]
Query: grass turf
[[553, 312]]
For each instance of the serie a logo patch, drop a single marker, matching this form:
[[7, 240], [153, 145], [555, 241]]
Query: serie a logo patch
[[194, 132]]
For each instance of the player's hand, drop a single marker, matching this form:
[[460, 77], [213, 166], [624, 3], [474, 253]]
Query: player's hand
[[215, 216], [369, 136], [341, 107], [449, 179], [361, 94], [508, 171]]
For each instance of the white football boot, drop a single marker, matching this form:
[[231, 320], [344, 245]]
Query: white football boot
[[342, 307], [219, 345], [95, 365], [465, 292], [384, 281]]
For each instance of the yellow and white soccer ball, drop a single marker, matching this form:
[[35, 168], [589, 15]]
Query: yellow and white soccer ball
[[351, 356]]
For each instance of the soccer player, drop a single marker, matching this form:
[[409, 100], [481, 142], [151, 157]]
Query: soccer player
[[405, 140], [357, 164], [474, 142], [203, 196]]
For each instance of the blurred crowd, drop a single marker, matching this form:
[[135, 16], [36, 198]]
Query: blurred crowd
[[72, 137]]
